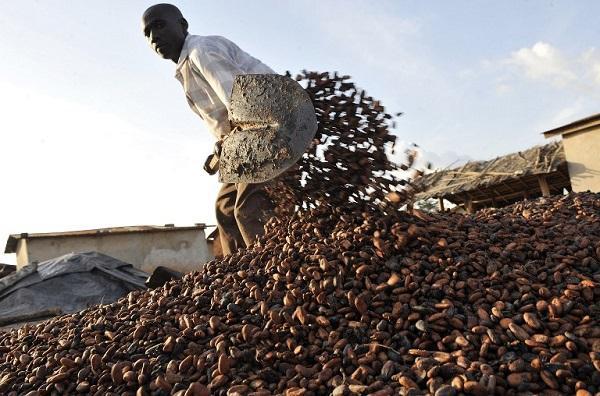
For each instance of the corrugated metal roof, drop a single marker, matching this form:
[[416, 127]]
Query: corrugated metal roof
[[11, 243], [575, 126]]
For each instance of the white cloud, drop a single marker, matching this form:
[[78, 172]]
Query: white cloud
[[577, 74], [591, 61], [547, 64], [543, 62]]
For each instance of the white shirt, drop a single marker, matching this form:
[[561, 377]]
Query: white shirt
[[206, 68]]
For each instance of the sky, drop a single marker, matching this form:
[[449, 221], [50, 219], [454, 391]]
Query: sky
[[95, 131]]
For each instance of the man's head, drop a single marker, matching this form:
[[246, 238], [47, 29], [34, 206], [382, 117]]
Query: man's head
[[165, 29]]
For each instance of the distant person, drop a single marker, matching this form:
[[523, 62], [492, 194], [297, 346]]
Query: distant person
[[206, 68]]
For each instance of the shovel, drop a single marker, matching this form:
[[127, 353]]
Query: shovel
[[273, 122]]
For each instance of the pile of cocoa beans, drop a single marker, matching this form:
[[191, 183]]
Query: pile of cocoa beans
[[347, 295], [347, 301]]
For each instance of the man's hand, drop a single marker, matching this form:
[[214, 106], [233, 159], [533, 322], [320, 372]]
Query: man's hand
[[211, 165]]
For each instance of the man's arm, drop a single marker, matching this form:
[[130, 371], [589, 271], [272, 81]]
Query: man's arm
[[218, 70]]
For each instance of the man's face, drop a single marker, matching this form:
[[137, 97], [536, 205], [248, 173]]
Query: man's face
[[165, 32]]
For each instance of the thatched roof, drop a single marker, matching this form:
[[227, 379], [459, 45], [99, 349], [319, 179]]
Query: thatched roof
[[483, 179]]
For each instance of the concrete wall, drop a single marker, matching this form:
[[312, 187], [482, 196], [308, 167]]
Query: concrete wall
[[184, 250], [582, 150]]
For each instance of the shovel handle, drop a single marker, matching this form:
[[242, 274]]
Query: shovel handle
[[211, 165]]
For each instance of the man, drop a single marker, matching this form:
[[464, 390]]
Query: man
[[206, 68]]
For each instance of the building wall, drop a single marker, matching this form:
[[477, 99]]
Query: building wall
[[183, 251], [582, 150]]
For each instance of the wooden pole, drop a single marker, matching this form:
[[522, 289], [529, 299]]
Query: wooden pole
[[469, 204], [441, 205], [470, 209], [544, 185]]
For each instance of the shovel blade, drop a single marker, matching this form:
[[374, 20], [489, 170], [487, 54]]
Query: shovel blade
[[273, 122]]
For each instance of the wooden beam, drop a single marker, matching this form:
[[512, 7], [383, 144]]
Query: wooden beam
[[499, 195], [525, 186], [496, 197], [482, 192], [441, 200], [508, 187], [544, 185], [504, 197]]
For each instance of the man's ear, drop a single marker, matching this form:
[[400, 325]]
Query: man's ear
[[184, 24]]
